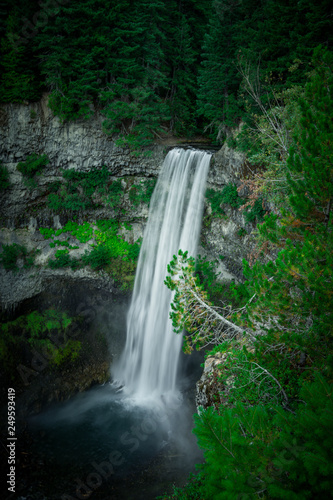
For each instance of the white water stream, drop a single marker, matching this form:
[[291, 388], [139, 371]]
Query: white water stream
[[149, 363]]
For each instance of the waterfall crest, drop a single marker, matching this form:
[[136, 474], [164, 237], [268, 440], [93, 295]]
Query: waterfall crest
[[149, 363]]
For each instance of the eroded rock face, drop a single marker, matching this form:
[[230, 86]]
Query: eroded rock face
[[226, 167], [81, 145], [209, 390]]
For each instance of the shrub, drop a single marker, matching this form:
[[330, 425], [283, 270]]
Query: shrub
[[70, 202], [36, 330], [230, 196], [256, 213], [33, 165], [63, 259], [98, 258], [215, 200], [11, 253], [115, 193], [83, 232], [4, 178], [142, 193], [76, 193]]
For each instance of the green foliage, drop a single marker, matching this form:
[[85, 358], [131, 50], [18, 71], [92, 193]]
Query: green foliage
[[229, 195], [267, 450], [67, 353], [63, 259], [19, 76], [82, 232], [215, 200], [256, 213], [109, 250], [191, 491], [79, 190], [142, 192], [36, 330], [273, 438], [11, 253], [309, 471], [236, 35], [241, 232], [206, 273], [134, 61], [115, 193], [98, 258], [4, 178], [33, 165]]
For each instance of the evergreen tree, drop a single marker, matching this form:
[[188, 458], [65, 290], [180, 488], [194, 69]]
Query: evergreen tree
[[218, 77], [19, 73]]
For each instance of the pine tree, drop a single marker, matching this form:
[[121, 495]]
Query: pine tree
[[218, 77], [19, 73]]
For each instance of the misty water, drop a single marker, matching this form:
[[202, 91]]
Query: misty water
[[96, 443]]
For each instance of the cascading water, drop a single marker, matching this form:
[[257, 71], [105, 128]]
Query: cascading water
[[149, 363]]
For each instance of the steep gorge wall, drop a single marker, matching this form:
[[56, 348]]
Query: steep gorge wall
[[31, 128]]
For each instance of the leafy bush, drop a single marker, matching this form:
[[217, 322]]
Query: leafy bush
[[70, 202], [115, 193], [256, 213], [134, 250], [46, 232], [33, 165], [83, 232], [142, 193], [4, 178], [77, 192], [98, 258], [241, 232], [230, 196], [215, 200], [63, 259], [11, 253]]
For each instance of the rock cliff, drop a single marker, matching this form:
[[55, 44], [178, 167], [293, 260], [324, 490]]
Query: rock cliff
[[82, 146]]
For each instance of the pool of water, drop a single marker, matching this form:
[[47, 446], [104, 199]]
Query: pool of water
[[103, 444]]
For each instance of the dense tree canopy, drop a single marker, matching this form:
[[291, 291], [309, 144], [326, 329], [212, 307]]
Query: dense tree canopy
[[155, 66]]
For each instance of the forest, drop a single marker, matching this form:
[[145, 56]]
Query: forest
[[257, 75]]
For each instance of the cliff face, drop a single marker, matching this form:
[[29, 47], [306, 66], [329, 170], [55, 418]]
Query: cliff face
[[82, 146]]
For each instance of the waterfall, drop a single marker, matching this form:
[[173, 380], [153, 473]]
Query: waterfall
[[149, 363]]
